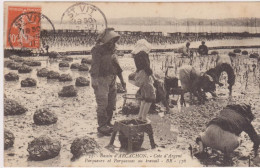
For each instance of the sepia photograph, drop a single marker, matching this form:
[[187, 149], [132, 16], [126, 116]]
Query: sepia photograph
[[131, 84]]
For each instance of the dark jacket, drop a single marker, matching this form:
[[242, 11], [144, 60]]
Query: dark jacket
[[203, 50], [236, 119], [104, 62]]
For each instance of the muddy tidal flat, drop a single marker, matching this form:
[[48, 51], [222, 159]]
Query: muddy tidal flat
[[173, 133]]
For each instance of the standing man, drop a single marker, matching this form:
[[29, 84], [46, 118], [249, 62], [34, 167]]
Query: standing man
[[203, 49], [46, 47], [104, 69]]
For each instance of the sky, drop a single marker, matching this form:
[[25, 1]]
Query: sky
[[182, 10], [205, 10]]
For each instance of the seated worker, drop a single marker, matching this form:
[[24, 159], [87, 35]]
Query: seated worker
[[222, 132], [186, 50], [203, 49]]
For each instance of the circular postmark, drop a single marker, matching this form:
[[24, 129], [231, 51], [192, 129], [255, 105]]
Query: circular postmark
[[85, 17], [29, 29]]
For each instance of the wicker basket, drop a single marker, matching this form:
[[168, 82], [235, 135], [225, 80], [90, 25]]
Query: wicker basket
[[131, 104], [138, 138]]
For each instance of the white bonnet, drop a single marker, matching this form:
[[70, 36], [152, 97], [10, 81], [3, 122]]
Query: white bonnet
[[141, 45]]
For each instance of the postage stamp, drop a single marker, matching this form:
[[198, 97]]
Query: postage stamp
[[24, 29]]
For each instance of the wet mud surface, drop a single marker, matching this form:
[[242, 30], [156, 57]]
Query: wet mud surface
[[77, 116]]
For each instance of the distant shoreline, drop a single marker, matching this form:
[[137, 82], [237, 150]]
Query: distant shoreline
[[253, 43], [87, 52]]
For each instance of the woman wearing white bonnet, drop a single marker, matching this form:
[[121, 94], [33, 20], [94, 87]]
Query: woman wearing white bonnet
[[143, 77], [142, 45]]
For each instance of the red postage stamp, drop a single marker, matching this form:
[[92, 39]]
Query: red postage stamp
[[24, 25]]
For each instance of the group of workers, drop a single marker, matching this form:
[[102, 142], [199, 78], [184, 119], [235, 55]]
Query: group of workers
[[222, 132], [187, 52]]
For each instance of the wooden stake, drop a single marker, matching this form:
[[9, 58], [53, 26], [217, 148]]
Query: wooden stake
[[190, 148], [249, 161]]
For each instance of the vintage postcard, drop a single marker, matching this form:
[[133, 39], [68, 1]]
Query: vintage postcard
[[131, 84]]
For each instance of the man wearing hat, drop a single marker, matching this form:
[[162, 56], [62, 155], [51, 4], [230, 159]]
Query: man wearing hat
[[104, 69], [203, 49]]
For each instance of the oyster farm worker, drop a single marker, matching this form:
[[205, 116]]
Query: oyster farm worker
[[222, 132], [144, 78], [104, 70]]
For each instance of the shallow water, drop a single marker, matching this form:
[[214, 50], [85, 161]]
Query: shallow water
[[194, 44], [77, 116]]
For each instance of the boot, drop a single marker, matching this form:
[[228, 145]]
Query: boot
[[103, 127], [105, 130], [101, 121]]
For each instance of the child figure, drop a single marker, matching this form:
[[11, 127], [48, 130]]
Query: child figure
[[144, 77]]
